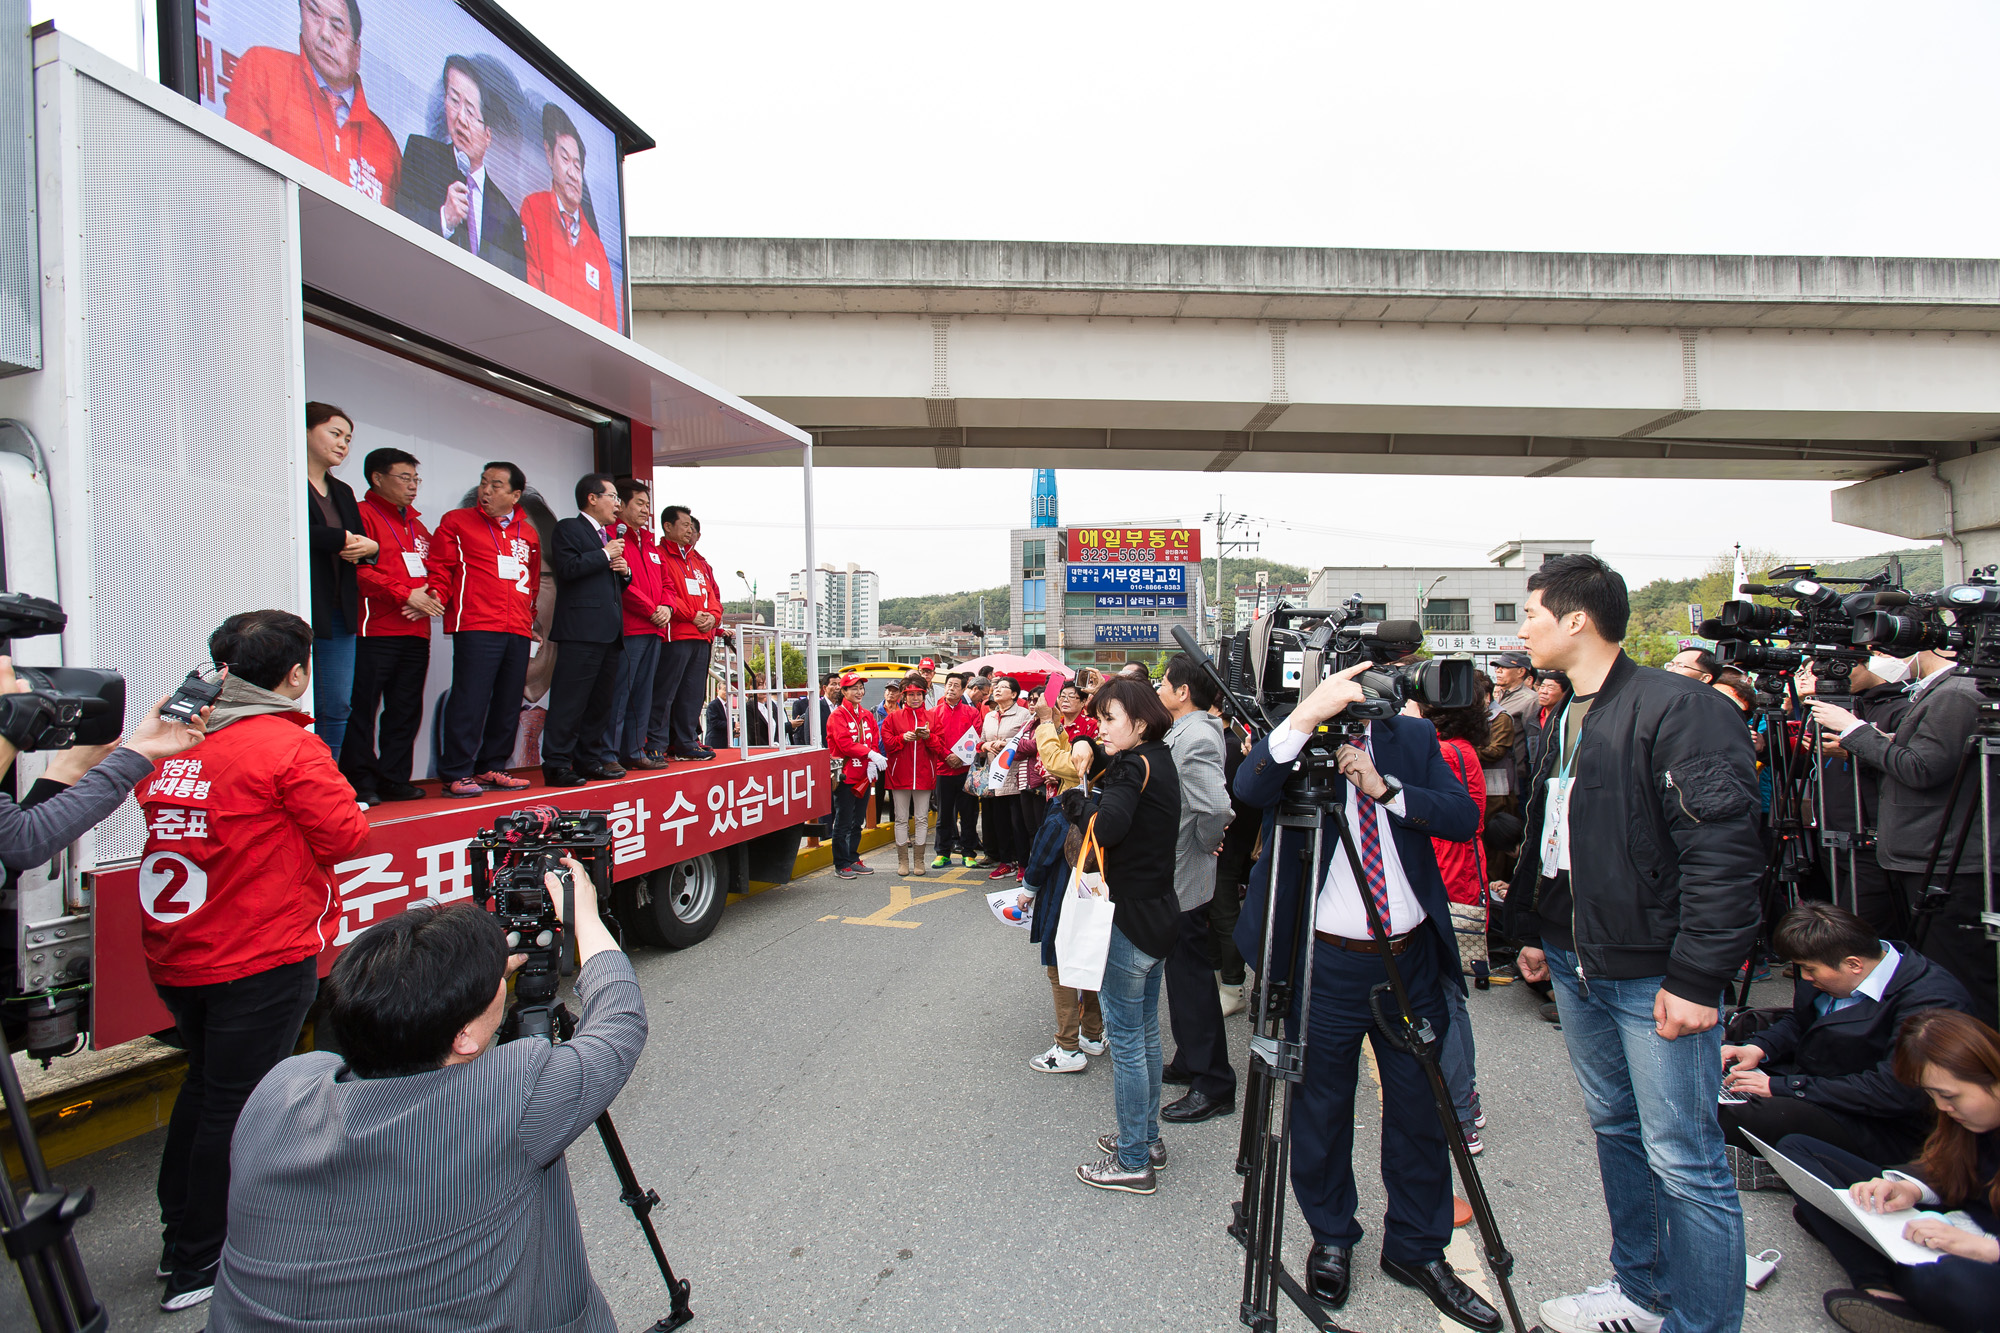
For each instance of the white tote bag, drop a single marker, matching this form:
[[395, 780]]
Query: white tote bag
[[1083, 932]]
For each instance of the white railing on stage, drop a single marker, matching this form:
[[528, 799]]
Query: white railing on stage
[[760, 648]]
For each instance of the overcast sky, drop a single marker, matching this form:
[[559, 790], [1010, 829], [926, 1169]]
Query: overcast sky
[[1822, 128]]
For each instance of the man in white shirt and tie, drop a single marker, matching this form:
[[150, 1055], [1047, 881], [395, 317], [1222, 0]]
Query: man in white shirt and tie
[[1391, 784]]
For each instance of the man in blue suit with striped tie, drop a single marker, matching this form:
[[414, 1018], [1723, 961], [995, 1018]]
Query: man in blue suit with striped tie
[[1397, 795]]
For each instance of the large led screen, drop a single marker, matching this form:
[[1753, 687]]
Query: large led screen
[[418, 106]]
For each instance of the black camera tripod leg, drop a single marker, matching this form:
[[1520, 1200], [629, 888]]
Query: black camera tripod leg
[[1931, 897], [37, 1230], [642, 1202], [1418, 1038]]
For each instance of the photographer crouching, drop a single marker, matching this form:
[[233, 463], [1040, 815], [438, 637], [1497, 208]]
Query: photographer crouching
[[418, 1181], [1398, 795]]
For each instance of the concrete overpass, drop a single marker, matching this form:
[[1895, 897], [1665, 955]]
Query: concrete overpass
[[1247, 359]]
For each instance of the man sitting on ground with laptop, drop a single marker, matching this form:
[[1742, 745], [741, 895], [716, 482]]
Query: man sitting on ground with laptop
[[1825, 1068]]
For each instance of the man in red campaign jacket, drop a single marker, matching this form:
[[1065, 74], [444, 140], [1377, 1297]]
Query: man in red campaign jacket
[[238, 906], [392, 648], [486, 566], [681, 683], [957, 813], [855, 738], [647, 613], [565, 258], [311, 104]]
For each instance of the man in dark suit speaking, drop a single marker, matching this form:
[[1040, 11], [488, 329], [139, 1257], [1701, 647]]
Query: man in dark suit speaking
[[444, 186], [588, 556], [1397, 795]]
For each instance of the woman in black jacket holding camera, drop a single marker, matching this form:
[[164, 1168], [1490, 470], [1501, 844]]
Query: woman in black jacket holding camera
[[1138, 815]]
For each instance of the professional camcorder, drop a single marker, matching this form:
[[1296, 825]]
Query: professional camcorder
[[63, 706], [509, 861], [1971, 637], [1284, 655], [1822, 625]]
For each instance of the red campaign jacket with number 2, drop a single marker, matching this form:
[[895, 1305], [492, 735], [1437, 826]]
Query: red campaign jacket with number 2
[[852, 734], [239, 831], [465, 572]]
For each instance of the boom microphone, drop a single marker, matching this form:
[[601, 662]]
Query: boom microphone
[[1398, 631]]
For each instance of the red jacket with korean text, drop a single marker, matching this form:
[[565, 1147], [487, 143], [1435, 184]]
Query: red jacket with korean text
[[852, 734], [465, 572], [690, 587], [239, 831], [387, 584]]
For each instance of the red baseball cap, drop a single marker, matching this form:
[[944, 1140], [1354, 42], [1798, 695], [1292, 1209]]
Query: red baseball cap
[[849, 682], [927, 665]]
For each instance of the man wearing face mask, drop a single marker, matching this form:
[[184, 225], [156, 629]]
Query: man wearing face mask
[[445, 187]]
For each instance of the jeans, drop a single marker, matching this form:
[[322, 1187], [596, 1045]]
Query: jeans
[[1455, 1057], [631, 699], [849, 807], [234, 1031], [1130, 998], [333, 684], [1676, 1223]]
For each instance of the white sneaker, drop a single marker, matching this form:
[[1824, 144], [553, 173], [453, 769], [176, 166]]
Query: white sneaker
[[1089, 1047], [1600, 1309], [1232, 999], [1056, 1060]]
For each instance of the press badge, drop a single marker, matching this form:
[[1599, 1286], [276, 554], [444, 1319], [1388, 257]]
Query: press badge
[[510, 568], [1555, 827], [413, 564], [590, 275], [694, 587]]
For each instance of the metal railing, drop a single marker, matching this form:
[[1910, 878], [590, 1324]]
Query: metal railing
[[1447, 622], [760, 648]]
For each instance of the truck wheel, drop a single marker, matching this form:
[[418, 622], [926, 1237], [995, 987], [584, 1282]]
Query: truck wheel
[[687, 901]]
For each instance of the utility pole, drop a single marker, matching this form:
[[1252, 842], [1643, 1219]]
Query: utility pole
[[982, 625], [1224, 521]]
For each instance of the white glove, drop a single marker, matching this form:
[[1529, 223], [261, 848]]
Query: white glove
[[878, 760]]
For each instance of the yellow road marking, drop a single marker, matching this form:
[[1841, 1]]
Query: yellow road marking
[[900, 900]]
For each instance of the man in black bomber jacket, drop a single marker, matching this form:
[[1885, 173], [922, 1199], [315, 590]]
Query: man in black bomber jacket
[[1637, 893]]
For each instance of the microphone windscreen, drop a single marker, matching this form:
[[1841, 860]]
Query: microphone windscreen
[[1399, 631]]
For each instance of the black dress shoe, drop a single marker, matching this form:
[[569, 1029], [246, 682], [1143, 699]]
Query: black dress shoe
[[1196, 1107], [1453, 1298], [601, 772], [367, 796], [1175, 1077], [403, 791], [1327, 1273], [691, 752], [562, 777]]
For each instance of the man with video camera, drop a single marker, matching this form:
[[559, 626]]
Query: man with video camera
[[417, 1180], [1917, 763], [1637, 894], [1398, 795]]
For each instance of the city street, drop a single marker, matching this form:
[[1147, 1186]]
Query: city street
[[837, 1109]]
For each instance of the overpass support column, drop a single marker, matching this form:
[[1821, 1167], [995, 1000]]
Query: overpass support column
[[1957, 502]]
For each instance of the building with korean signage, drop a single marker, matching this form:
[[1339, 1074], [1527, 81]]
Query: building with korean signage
[[1105, 596]]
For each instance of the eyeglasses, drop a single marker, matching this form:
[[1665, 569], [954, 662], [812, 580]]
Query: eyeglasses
[[455, 105], [405, 478]]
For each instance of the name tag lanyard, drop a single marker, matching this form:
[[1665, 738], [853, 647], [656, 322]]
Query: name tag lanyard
[[1555, 831]]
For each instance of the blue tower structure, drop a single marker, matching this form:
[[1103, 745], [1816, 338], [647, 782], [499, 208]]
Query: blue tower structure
[[1042, 504]]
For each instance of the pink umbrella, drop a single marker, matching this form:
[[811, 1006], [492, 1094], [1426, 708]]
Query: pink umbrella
[[1032, 669]]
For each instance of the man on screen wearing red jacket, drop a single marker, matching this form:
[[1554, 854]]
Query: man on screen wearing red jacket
[[682, 682], [486, 567], [311, 104], [238, 906], [565, 258], [392, 648]]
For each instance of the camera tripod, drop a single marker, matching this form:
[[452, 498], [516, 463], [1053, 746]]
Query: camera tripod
[[1983, 741], [37, 1230], [539, 931]]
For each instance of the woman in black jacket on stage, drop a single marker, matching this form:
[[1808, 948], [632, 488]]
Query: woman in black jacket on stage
[[1955, 1059], [1138, 811], [337, 542]]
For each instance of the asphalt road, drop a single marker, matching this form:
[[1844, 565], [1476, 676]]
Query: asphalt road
[[837, 1109]]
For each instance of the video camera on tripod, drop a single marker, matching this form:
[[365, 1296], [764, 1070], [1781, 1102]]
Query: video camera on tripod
[[1822, 626], [1285, 654]]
